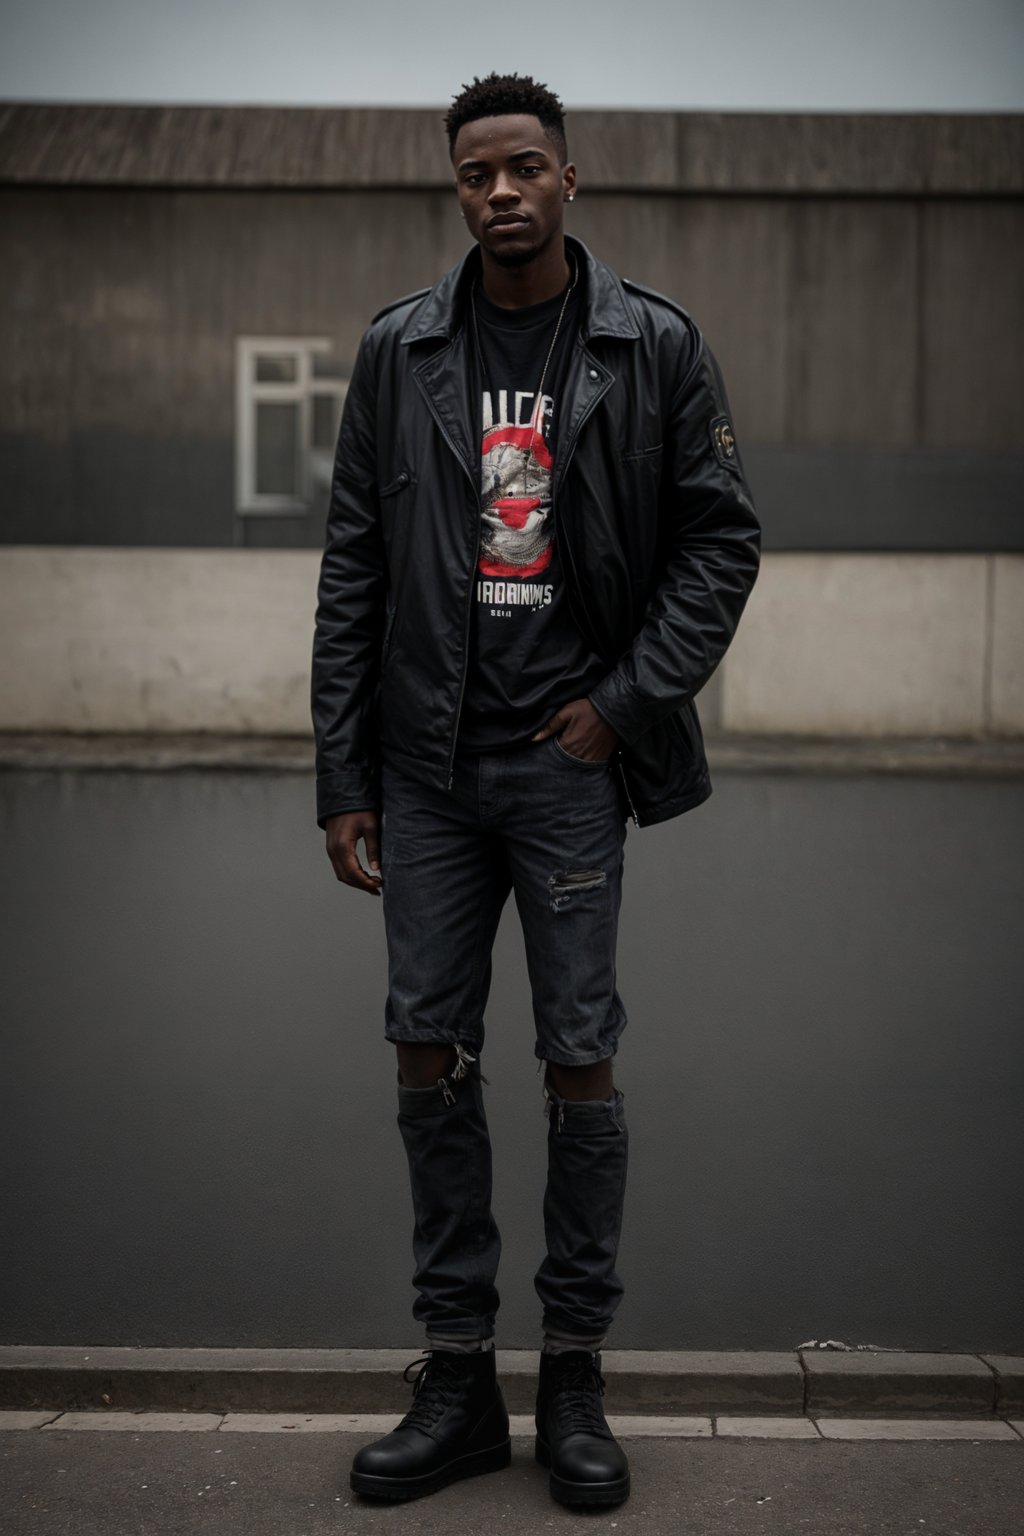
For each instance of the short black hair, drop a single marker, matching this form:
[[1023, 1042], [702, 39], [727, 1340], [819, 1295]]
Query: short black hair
[[499, 96]]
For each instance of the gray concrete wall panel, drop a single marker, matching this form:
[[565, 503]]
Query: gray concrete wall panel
[[1006, 693], [118, 408], [624, 151], [901, 499], [171, 640], [726, 260], [852, 324], [140, 243], [722, 152], [102, 145], [863, 645], [821, 1072], [972, 305]]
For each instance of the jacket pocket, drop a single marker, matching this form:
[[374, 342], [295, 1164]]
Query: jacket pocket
[[685, 725], [637, 455]]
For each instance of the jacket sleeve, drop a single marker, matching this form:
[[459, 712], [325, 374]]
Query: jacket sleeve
[[711, 539], [350, 611]]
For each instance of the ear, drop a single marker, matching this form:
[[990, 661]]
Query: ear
[[568, 182]]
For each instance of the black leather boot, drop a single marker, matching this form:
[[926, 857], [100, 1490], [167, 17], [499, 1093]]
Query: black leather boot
[[588, 1466], [457, 1427]]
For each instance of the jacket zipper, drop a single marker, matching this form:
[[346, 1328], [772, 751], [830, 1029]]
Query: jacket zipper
[[560, 472], [465, 647], [625, 788], [467, 620], [567, 549]]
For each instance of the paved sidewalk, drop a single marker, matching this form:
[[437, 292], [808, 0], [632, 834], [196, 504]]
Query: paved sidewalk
[[645, 1426], [63, 1482]]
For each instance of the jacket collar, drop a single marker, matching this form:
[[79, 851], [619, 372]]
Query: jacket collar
[[606, 309]]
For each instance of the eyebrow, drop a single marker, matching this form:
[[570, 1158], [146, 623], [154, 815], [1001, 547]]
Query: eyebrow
[[520, 154]]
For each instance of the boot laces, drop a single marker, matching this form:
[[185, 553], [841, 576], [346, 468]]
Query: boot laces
[[576, 1392], [434, 1389]]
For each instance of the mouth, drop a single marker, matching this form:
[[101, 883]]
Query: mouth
[[508, 221]]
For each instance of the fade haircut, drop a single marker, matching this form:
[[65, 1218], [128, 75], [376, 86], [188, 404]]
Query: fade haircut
[[500, 96]]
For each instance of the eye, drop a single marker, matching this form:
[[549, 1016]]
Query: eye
[[529, 170]]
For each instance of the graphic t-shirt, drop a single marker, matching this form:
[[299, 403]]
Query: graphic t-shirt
[[527, 656]]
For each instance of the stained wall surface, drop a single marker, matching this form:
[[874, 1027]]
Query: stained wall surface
[[822, 1066], [822, 1071], [857, 277]]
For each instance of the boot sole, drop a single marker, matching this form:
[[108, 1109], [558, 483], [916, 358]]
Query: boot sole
[[396, 1489], [589, 1495]]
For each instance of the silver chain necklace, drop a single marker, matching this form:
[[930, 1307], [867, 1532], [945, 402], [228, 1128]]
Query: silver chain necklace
[[538, 405]]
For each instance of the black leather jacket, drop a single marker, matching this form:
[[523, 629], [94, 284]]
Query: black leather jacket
[[657, 532]]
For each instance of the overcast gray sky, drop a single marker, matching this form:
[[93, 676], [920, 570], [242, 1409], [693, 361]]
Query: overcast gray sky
[[915, 55]]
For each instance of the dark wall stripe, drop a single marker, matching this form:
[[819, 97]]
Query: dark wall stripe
[[864, 499]]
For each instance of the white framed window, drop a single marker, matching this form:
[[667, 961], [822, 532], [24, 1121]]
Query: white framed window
[[289, 392]]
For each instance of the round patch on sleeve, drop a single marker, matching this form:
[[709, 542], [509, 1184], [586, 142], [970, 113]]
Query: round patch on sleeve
[[723, 442]]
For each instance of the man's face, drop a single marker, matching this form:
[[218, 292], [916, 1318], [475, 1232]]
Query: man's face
[[511, 187]]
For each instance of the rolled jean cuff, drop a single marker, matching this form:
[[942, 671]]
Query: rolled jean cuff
[[558, 1343], [458, 1344]]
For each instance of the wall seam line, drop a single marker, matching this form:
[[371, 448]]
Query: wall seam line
[[989, 645]]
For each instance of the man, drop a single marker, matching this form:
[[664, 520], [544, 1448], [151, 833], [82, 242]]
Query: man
[[539, 546]]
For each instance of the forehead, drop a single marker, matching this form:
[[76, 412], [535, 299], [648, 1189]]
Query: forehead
[[496, 138]]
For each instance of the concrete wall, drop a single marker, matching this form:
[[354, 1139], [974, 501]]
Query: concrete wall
[[856, 275], [821, 1069], [219, 640], [156, 640], [902, 645], [823, 973]]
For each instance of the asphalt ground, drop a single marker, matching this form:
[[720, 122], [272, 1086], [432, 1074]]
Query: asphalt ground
[[69, 1483]]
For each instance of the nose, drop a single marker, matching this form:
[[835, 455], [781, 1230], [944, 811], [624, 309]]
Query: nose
[[504, 189]]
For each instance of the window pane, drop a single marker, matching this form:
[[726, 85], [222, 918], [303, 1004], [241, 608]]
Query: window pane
[[327, 366], [277, 448], [276, 368], [326, 419]]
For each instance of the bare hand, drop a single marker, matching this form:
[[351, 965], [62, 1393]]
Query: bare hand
[[581, 731], [343, 834]]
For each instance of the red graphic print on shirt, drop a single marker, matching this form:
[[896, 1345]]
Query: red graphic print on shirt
[[516, 467]]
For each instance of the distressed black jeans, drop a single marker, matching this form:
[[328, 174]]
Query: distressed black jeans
[[534, 821], [551, 829]]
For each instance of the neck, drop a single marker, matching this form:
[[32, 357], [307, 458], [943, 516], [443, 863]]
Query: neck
[[516, 287]]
